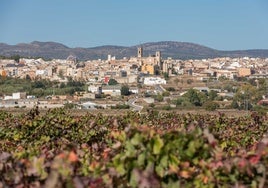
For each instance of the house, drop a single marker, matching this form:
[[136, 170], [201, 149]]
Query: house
[[154, 81], [113, 90], [95, 89], [242, 72], [230, 74], [19, 95]]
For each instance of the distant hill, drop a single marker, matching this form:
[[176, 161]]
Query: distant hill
[[176, 50]]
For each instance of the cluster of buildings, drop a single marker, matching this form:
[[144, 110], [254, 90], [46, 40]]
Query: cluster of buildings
[[131, 71], [230, 68]]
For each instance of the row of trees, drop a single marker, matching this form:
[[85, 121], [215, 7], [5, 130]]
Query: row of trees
[[43, 87], [39, 88], [13, 57]]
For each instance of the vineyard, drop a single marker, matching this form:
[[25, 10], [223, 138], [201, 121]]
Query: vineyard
[[59, 149]]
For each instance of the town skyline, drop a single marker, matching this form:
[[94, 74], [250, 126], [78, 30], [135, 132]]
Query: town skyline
[[224, 25]]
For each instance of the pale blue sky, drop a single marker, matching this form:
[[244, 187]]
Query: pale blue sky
[[219, 24]]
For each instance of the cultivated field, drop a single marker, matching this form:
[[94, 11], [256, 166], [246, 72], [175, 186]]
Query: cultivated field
[[61, 148]]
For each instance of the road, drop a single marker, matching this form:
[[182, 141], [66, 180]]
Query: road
[[159, 88], [131, 103]]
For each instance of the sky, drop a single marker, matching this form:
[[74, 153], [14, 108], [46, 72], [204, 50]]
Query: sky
[[219, 24]]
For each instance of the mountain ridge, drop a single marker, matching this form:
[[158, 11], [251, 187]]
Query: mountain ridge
[[174, 49]]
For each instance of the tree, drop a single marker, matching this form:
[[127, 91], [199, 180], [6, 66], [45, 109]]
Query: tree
[[120, 106], [72, 83], [39, 84], [62, 85], [112, 82], [38, 92], [234, 104], [189, 81], [212, 95], [159, 98], [211, 106], [166, 94], [195, 97], [16, 58], [152, 105], [247, 95], [166, 75], [70, 105], [171, 89], [125, 90], [28, 77], [179, 101]]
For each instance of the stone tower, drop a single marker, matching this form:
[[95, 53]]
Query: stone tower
[[158, 57], [140, 52]]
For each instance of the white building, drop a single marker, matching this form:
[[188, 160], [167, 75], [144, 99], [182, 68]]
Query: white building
[[113, 90], [134, 90], [40, 72], [154, 81], [8, 97], [19, 95], [95, 89]]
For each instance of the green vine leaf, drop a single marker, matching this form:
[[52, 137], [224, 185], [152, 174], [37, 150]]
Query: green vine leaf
[[157, 145]]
